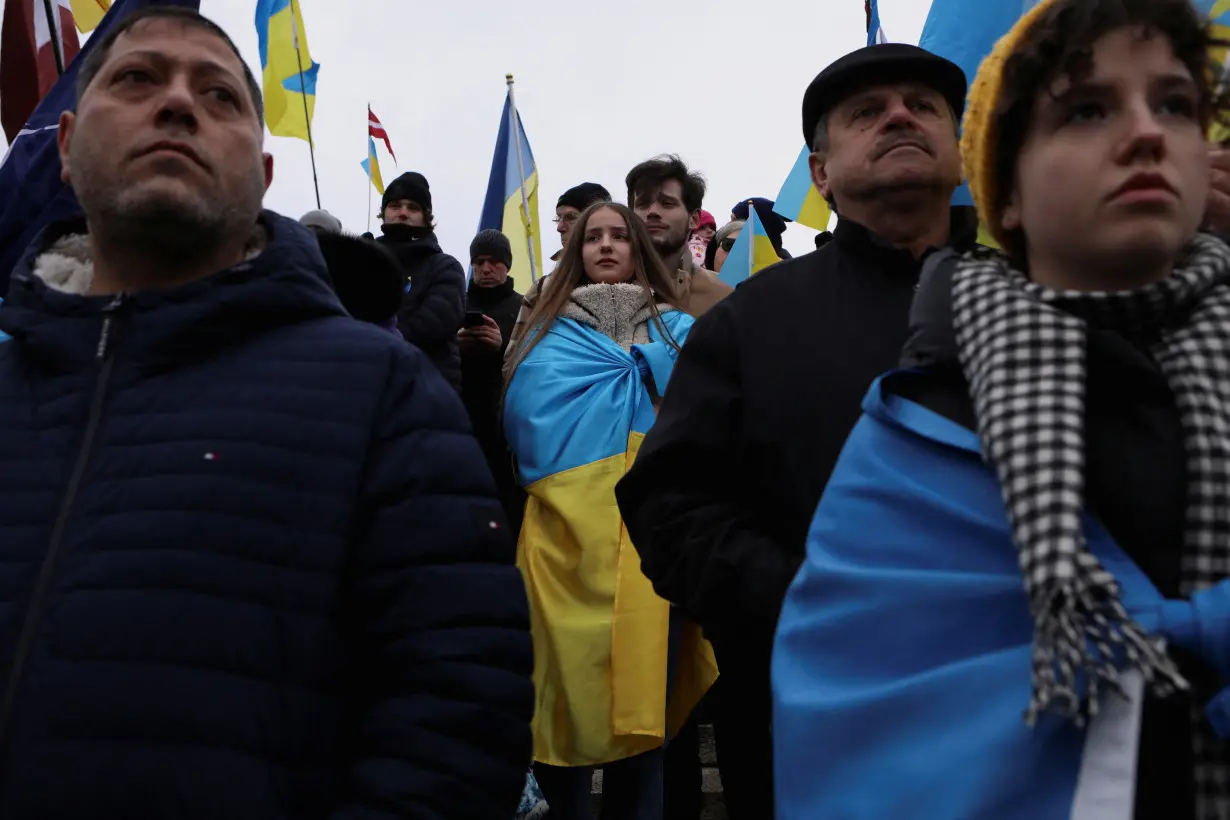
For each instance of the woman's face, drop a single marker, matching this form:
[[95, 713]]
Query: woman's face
[[724, 249], [607, 248]]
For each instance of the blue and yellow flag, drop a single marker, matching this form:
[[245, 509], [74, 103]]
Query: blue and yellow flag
[[289, 72], [798, 200], [371, 166], [513, 172], [87, 14], [752, 252], [575, 414]]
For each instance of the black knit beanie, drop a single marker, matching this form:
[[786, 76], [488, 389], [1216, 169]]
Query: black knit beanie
[[412, 186], [584, 195], [494, 244]]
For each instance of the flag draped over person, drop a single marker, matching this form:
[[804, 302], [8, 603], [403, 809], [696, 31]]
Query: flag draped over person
[[752, 252], [34, 196], [288, 70], [89, 13], [34, 50], [511, 205]]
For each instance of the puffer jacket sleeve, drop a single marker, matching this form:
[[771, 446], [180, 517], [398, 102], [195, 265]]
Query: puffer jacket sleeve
[[445, 655], [435, 318]]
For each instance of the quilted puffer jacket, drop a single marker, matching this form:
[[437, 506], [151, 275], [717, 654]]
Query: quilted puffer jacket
[[251, 561]]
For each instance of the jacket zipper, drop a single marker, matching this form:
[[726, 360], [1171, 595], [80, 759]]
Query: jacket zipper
[[29, 628]]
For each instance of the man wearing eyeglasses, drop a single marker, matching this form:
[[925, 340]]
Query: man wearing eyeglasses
[[569, 207]]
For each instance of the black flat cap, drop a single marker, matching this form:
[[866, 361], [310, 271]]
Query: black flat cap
[[874, 65]]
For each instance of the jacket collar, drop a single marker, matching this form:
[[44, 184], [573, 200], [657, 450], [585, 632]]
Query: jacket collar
[[855, 238], [283, 284]]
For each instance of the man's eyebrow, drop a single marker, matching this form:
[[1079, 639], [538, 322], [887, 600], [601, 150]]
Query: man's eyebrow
[[203, 66]]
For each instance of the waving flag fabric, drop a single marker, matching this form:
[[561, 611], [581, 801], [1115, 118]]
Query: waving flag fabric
[[875, 31], [375, 129], [798, 200], [28, 47], [752, 252], [33, 194], [89, 13], [284, 49], [372, 166], [503, 208]]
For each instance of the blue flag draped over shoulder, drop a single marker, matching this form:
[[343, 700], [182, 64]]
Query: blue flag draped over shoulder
[[34, 196], [575, 414]]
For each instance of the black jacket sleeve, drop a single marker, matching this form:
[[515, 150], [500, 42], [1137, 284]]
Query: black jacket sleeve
[[444, 659], [689, 506], [433, 317]]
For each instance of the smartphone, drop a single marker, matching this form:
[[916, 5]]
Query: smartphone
[[474, 318]]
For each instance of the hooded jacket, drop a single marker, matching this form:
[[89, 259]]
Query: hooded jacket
[[949, 554], [365, 276], [433, 304], [238, 532]]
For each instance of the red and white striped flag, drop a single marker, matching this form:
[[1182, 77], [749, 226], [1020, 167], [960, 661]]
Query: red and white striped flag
[[28, 67], [377, 132]]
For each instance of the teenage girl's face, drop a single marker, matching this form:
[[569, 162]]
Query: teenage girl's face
[[607, 248]]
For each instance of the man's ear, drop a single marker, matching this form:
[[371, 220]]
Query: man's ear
[[819, 173], [268, 163], [694, 221], [64, 137], [1010, 219]]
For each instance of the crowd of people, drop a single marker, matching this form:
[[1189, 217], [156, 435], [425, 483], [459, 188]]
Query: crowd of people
[[301, 523]]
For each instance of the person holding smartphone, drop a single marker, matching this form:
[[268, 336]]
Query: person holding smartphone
[[492, 303]]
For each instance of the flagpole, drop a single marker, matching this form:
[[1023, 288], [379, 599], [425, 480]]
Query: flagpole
[[55, 36], [371, 180], [751, 246], [307, 117], [525, 199]]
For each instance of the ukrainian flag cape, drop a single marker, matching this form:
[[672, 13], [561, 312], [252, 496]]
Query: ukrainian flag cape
[[575, 414]]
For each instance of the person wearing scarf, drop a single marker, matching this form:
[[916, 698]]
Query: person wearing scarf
[[1014, 602], [615, 668]]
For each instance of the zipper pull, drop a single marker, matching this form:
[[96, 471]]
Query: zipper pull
[[104, 338]]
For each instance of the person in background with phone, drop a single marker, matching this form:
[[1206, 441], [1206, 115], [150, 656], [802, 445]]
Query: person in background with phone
[[492, 304]]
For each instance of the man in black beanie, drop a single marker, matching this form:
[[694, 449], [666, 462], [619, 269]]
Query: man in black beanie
[[434, 298], [492, 306], [570, 205]]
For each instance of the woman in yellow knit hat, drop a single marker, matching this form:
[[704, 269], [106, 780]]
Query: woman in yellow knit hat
[[1014, 603]]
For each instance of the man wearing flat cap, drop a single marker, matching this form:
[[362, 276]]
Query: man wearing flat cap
[[770, 383]]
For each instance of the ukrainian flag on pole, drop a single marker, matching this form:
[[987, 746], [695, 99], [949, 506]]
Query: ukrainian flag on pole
[[752, 252], [511, 205], [798, 200], [372, 166], [284, 53]]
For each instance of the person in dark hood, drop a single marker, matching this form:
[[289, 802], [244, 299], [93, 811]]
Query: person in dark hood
[[366, 278], [434, 298], [492, 305], [1017, 579], [569, 207], [774, 223], [254, 565], [769, 384]]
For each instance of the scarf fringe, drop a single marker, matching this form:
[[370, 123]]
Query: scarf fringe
[[1083, 640]]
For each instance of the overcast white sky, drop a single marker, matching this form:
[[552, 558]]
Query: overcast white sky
[[600, 87]]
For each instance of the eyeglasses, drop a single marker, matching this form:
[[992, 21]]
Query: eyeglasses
[[728, 243], [565, 220]]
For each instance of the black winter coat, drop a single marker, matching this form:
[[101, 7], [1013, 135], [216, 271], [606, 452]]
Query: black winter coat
[[482, 386], [764, 394], [251, 562], [434, 301]]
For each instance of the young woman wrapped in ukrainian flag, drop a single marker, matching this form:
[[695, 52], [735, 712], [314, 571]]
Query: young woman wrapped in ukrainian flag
[[1014, 603], [586, 366]]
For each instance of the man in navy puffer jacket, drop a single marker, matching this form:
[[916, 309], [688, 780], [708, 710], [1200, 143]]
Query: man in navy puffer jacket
[[252, 564]]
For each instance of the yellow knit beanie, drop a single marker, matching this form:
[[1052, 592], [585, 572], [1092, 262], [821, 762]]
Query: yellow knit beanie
[[979, 129]]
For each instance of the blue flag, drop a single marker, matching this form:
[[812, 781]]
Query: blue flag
[[34, 196]]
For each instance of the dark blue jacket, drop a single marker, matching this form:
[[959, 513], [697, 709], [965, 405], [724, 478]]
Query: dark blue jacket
[[251, 562]]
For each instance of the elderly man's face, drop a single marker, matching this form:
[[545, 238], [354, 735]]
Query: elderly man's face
[[166, 141], [886, 139]]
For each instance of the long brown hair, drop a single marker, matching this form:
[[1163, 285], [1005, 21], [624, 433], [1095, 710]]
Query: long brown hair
[[555, 291]]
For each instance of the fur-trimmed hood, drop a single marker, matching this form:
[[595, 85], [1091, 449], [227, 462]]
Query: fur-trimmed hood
[[621, 312], [48, 313]]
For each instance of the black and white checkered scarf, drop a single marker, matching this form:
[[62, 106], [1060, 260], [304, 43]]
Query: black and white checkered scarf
[[1022, 348]]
